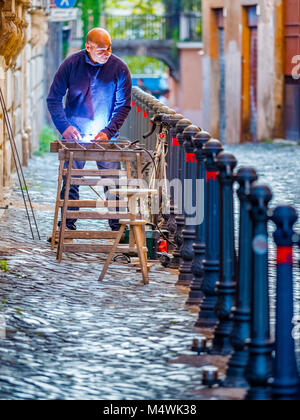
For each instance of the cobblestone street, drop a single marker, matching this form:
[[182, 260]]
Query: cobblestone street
[[70, 337]]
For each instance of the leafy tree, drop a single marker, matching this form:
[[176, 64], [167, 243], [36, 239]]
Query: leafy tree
[[135, 7], [144, 65], [90, 14]]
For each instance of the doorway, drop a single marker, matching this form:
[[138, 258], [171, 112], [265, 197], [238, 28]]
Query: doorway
[[292, 70]]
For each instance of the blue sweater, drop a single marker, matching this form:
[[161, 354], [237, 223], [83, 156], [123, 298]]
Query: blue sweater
[[98, 98]]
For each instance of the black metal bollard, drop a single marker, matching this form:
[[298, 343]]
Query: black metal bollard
[[235, 376], [172, 162], [180, 127], [286, 385], [207, 317], [196, 294], [167, 113], [151, 102], [138, 110], [190, 202], [227, 283], [259, 367]]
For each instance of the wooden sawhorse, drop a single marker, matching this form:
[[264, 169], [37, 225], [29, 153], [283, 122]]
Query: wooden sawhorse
[[112, 152], [136, 235]]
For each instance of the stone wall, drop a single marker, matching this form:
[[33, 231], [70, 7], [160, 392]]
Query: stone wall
[[23, 35]]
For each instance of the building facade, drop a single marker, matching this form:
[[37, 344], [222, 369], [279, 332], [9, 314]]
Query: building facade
[[23, 35], [250, 63]]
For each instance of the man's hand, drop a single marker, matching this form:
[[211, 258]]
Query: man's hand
[[101, 137], [71, 133]]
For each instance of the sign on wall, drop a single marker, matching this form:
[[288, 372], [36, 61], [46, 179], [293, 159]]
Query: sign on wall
[[65, 4], [63, 15]]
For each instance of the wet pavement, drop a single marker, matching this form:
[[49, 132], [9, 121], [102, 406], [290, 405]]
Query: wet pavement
[[70, 337]]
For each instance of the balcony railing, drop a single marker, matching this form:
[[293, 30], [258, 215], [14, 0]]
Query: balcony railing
[[185, 27]]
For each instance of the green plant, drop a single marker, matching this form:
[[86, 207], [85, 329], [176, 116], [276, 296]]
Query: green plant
[[142, 65], [4, 266], [46, 136], [90, 15]]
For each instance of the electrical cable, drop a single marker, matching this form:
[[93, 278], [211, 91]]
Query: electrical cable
[[156, 226]]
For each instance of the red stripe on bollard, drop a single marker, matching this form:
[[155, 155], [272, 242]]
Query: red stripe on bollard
[[145, 114], [211, 175], [285, 255], [190, 157], [175, 141], [138, 109], [133, 104]]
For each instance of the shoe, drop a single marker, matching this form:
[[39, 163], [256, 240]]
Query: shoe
[[123, 239]]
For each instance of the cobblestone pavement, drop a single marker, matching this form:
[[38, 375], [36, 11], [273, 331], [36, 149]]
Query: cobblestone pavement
[[70, 337]]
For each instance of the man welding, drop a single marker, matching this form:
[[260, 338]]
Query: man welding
[[98, 86]]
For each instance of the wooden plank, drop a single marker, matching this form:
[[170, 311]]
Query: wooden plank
[[128, 170], [138, 234], [98, 249], [110, 182], [59, 185], [93, 204], [55, 146], [111, 253], [64, 210], [95, 215], [95, 172], [107, 156], [85, 234]]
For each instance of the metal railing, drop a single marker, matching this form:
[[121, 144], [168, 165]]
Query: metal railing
[[186, 27], [231, 284]]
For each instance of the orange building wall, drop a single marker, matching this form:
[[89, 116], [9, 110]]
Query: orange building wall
[[189, 89]]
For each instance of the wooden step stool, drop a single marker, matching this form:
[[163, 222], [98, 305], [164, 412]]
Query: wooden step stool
[[137, 237]]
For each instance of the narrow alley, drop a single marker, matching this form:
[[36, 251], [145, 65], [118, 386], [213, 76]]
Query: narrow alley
[[70, 337]]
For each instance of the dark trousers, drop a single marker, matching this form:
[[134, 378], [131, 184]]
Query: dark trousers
[[74, 192]]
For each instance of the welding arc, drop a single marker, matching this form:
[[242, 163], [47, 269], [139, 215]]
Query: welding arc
[[21, 178]]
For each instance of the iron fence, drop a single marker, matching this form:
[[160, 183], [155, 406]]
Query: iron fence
[[233, 281]]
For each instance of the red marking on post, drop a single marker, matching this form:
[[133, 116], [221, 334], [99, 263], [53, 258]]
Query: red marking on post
[[285, 255], [145, 114], [190, 157], [133, 104], [212, 175], [175, 141], [138, 109], [163, 246]]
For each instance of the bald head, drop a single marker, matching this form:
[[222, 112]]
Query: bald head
[[100, 37], [98, 45]]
